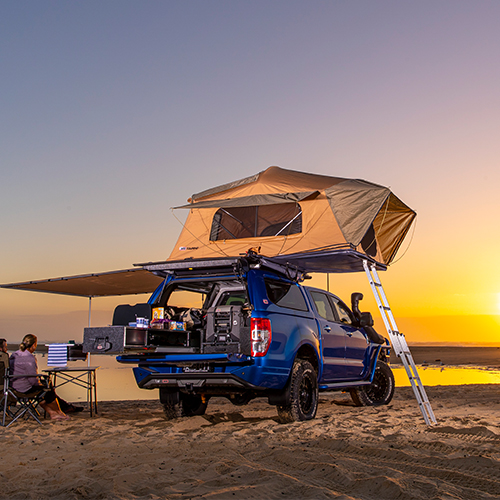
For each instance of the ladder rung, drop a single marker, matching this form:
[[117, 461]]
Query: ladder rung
[[399, 343]]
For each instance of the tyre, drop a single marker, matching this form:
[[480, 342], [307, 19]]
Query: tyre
[[303, 394], [379, 392], [241, 399], [192, 405], [171, 410]]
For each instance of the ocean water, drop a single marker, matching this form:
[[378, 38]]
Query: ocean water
[[452, 375], [116, 382]]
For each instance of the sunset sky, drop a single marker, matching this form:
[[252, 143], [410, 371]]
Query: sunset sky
[[111, 112]]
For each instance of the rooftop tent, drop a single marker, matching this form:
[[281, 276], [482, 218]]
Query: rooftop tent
[[317, 222]]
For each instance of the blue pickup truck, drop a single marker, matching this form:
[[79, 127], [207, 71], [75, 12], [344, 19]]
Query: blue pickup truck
[[243, 328]]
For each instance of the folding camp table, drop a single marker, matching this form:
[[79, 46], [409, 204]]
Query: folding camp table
[[83, 376]]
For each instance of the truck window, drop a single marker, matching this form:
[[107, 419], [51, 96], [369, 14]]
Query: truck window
[[232, 299], [183, 298], [342, 312], [323, 306], [285, 294]]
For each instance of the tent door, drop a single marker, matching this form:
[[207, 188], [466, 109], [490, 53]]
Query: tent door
[[398, 342]]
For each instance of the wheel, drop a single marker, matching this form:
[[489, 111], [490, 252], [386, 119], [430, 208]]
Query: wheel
[[303, 394], [171, 410], [241, 399], [170, 400], [192, 405], [379, 392]]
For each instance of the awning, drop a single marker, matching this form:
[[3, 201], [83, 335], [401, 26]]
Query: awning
[[124, 282]]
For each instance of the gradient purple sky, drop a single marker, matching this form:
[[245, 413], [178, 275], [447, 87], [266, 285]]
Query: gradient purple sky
[[111, 112]]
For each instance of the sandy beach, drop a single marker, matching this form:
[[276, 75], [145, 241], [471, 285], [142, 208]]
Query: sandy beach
[[130, 452]]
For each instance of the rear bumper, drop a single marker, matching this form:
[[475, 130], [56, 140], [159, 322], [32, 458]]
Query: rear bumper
[[189, 382], [162, 359]]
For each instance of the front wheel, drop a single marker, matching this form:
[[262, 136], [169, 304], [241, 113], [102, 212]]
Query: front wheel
[[379, 392], [303, 394]]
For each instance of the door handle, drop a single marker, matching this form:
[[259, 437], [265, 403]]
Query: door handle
[[327, 329], [349, 334]]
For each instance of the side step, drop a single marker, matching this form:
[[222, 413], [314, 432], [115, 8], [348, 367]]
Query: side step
[[398, 342]]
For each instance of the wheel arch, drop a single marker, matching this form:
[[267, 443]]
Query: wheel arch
[[308, 353]]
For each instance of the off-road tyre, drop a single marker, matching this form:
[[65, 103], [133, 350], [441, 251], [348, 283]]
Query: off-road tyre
[[379, 392], [302, 401], [241, 399], [171, 411], [192, 405]]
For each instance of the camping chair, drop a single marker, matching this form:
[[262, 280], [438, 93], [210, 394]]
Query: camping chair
[[3, 372], [19, 404]]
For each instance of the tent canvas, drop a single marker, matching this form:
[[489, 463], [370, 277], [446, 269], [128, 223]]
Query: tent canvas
[[317, 222]]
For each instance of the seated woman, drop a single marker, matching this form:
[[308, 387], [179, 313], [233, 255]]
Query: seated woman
[[23, 362]]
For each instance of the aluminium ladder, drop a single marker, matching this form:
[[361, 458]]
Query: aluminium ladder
[[398, 342]]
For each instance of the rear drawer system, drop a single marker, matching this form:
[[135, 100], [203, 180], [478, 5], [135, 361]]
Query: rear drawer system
[[226, 329]]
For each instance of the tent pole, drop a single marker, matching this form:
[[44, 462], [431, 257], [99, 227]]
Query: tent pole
[[90, 309]]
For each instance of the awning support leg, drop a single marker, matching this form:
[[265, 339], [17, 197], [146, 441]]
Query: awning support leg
[[90, 317], [398, 342]]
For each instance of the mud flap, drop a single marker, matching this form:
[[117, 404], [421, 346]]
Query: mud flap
[[280, 398]]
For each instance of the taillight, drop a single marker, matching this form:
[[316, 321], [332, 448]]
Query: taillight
[[261, 336]]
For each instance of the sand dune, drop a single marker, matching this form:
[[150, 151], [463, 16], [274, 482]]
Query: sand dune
[[130, 451]]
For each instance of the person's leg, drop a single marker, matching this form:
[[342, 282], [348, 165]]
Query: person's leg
[[67, 407], [51, 406], [64, 405], [53, 410]]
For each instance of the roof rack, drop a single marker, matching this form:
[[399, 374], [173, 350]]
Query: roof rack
[[224, 265]]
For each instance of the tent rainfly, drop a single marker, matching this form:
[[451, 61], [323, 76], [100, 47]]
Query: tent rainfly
[[316, 222]]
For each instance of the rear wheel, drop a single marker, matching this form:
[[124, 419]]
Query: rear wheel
[[170, 400], [303, 394], [241, 399], [379, 392], [171, 410], [192, 404]]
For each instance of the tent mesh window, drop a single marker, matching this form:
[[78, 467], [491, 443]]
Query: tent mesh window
[[256, 221]]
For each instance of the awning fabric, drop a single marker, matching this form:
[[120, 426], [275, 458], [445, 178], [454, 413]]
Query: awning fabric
[[124, 282]]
